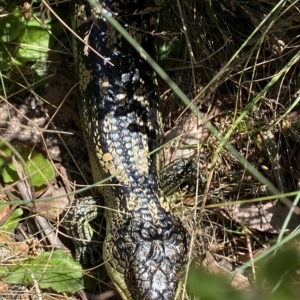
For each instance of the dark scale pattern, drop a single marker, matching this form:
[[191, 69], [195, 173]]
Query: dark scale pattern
[[145, 246]]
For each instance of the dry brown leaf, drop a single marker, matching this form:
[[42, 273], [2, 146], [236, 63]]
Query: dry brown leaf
[[190, 134], [264, 216], [239, 281], [5, 238], [54, 207], [3, 287], [17, 248], [4, 212]]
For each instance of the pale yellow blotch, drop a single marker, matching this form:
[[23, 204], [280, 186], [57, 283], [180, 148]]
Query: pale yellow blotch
[[130, 205], [98, 149], [139, 96], [102, 165], [140, 99], [88, 127], [110, 166], [138, 204], [105, 84], [99, 156], [121, 96], [164, 204], [94, 114], [117, 160], [86, 73], [96, 11], [122, 177], [142, 160], [153, 211], [133, 203], [107, 157]]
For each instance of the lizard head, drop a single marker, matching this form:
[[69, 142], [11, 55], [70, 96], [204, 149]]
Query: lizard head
[[147, 264]]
